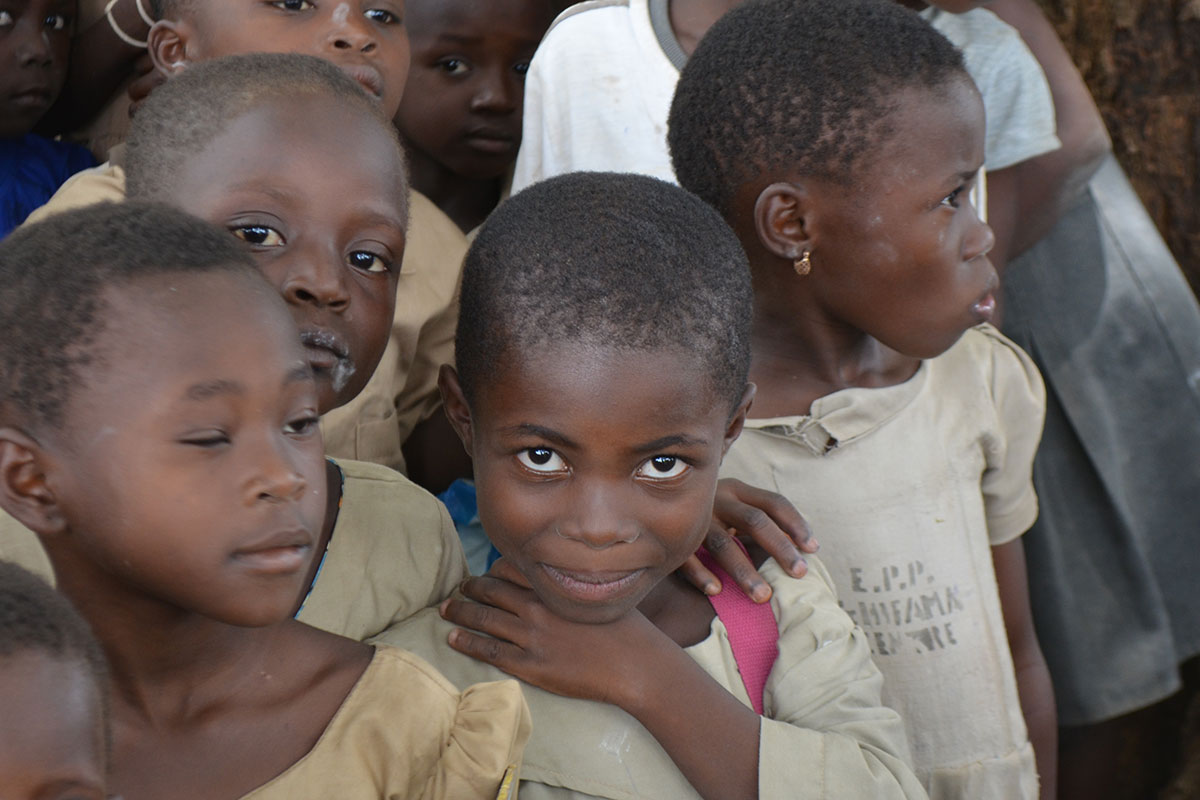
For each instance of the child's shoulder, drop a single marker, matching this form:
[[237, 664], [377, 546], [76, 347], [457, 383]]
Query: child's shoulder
[[986, 358], [389, 737]]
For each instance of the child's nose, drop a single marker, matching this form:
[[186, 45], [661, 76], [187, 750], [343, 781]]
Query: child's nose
[[599, 522], [980, 240], [321, 287], [33, 48], [354, 32], [497, 94], [275, 476]]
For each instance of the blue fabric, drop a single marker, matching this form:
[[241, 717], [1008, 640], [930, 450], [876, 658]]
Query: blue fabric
[[31, 170], [460, 502]]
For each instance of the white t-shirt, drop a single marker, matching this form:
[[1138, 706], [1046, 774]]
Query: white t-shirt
[[908, 488], [597, 95]]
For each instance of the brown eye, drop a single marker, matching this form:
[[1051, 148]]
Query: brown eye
[[258, 235], [662, 468], [541, 459]]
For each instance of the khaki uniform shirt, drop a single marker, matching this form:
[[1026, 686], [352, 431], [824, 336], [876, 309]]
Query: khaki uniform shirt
[[908, 488], [403, 390], [826, 734], [393, 552], [406, 732]]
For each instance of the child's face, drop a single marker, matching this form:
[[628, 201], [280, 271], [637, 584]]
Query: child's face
[[366, 38], [35, 40], [466, 87], [51, 731], [191, 471], [596, 469], [902, 255], [316, 190], [952, 6]]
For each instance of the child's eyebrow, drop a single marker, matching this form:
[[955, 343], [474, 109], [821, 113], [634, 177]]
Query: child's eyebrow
[[217, 388], [675, 440], [529, 429], [458, 38]]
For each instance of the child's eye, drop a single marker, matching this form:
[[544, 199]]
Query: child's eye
[[454, 66], [954, 198], [302, 426], [57, 22], [521, 67], [207, 439], [663, 468], [259, 235], [368, 262], [293, 5], [541, 459], [381, 15]]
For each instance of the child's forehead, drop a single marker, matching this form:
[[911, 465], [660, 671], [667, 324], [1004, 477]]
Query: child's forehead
[[53, 713], [428, 18]]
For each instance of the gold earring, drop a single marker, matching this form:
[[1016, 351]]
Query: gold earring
[[802, 265]]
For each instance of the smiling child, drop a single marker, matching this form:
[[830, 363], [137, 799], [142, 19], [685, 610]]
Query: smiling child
[[461, 112], [54, 732], [602, 355], [35, 43], [158, 432], [884, 407]]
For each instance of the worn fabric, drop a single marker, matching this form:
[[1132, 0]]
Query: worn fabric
[[908, 488], [825, 734], [393, 552], [406, 733], [597, 95], [403, 390], [1103, 308], [31, 170]]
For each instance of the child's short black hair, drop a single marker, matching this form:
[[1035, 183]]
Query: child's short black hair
[[169, 9], [52, 279], [797, 86], [622, 261], [191, 109], [34, 617]]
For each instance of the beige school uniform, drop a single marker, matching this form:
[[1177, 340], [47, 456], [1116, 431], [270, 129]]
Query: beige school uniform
[[826, 733], [908, 488], [403, 391], [406, 733], [393, 552]]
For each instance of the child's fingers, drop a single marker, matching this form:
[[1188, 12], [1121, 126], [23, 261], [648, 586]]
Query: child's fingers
[[495, 622], [504, 569], [502, 655], [497, 592], [698, 575], [724, 550], [768, 518]]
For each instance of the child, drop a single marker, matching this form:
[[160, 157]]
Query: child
[[843, 161], [35, 42], [159, 433], [54, 733], [323, 207], [602, 357], [461, 112], [367, 39]]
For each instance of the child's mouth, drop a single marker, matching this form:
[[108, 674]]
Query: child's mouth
[[985, 307], [593, 587], [328, 355]]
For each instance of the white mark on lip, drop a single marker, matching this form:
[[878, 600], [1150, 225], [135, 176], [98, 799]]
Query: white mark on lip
[[341, 14], [341, 373]]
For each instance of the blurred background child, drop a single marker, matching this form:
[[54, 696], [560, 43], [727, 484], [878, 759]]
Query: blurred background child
[[35, 42], [54, 732]]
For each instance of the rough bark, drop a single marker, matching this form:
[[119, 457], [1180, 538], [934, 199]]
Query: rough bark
[[1141, 60]]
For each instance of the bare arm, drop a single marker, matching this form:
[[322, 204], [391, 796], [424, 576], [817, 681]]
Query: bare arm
[[1033, 677], [1027, 199]]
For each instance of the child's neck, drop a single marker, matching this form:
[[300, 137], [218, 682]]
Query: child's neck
[[691, 19], [800, 355], [467, 201], [679, 610]]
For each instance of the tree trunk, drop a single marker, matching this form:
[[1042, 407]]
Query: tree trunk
[[1141, 60]]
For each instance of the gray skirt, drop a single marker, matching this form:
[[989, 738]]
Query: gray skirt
[[1114, 559]]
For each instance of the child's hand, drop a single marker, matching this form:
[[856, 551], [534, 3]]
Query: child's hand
[[603, 662], [769, 521]]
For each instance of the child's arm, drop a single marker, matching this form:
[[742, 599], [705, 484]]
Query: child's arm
[[1033, 677], [1026, 199], [828, 735]]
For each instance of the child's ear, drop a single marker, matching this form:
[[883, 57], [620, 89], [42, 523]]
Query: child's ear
[[738, 421], [782, 220], [168, 45], [25, 491], [455, 404]]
